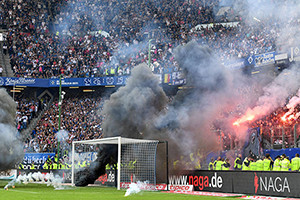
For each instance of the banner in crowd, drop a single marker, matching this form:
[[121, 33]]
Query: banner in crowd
[[264, 59], [37, 158], [65, 82], [235, 64], [294, 54]]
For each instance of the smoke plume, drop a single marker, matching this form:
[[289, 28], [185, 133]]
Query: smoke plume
[[11, 149], [140, 109], [130, 112]]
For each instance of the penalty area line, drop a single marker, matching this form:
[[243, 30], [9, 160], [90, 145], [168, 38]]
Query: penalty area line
[[14, 190]]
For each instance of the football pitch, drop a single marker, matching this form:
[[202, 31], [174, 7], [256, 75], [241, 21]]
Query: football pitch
[[34, 191]]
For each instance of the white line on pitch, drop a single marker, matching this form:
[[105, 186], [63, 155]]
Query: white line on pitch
[[24, 191]]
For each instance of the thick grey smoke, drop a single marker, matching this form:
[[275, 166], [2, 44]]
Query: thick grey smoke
[[211, 90], [131, 111], [11, 149]]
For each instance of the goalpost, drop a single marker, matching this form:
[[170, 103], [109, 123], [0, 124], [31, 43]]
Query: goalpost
[[136, 158]]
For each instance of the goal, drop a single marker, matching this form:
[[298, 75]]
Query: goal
[[136, 158]]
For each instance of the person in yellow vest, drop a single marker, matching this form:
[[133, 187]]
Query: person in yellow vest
[[175, 164], [285, 164], [246, 164], [268, 162], [238, 163], [219, 164], [32, 166], [211, 164], [252, 166], [21, 166], [112, 71], [68, 166], [61, 165], [56, 158], [54, 166], [226, 164], [295, 164], [260, 164], [46, 166], [276, 166]]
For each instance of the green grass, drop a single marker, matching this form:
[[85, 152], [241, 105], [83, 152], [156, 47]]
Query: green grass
[[43, 192]]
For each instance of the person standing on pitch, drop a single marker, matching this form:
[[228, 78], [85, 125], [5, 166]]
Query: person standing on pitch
[[211, 164], [285, 163], [219, 163], [276, 166], [246, 164], [268, 162], [238, 163], [295, 165]]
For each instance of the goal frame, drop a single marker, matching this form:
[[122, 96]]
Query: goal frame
[[110, 140]]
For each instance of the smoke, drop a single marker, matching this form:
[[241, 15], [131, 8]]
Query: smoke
[[62, 135], [130, 112], [11, 149], [275, 94], [37, 177]]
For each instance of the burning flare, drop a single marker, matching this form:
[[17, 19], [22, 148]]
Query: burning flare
[[247, 117]]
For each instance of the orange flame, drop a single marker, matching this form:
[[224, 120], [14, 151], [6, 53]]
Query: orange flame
[[245, 118]]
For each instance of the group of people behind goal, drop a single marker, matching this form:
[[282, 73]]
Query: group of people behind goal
[[257, 163]]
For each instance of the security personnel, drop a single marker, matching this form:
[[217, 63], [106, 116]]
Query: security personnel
[[238, 163], [260, 165], [21, 166], [45, 165], [131, 165], [276, 166], [211, 164], [56, 158], [83, 164], [61, 165], [246, 164], [32, 166], [219, 164], [268, 163], [285, 164], [295, 165], [226, 164], [54, 166], [253, 164], [175, 164]]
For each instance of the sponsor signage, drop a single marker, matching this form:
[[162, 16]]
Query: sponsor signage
[[267, 183], [146, 186], [107, 179], [283, 184], [38, 158], [204, 180]]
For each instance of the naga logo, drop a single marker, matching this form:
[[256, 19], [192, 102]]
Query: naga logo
[[198, 181], [107, 178], [270, 184]]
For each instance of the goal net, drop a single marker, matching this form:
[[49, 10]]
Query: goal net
[[136, 158]]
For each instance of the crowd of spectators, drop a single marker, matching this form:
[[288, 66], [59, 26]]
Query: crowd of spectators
[[96, 38], [79, 119], [27, 109]]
